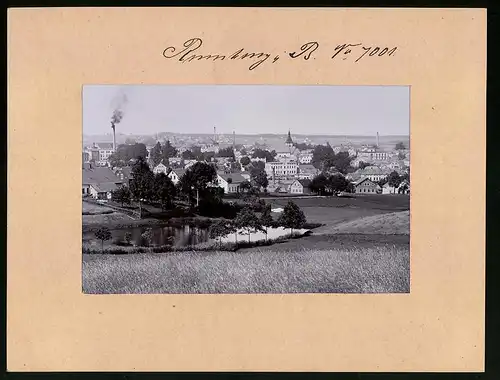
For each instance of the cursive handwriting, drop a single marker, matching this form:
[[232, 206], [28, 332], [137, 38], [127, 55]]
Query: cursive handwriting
[[194, 44], [191, 50]]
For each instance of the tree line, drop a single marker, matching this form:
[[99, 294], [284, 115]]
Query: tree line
[[248, 222]]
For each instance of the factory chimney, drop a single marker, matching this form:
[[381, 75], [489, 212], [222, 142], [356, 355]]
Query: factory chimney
[[377, 140], [234, 140], [114, 136]]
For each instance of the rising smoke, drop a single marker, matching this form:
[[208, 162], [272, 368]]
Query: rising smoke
[[118, 105]]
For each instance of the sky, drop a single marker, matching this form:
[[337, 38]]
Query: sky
[[248, 109]]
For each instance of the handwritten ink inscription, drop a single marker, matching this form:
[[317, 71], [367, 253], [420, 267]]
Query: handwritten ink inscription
[[189, 51]]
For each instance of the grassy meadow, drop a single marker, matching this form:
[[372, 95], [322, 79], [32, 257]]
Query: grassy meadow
[[362, 247], [382, 268]]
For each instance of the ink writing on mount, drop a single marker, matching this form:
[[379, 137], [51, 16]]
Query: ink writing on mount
[[193, 44], [189, 52], [379, 52]]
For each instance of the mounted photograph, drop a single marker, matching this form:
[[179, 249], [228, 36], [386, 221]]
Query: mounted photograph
[[245, 189]]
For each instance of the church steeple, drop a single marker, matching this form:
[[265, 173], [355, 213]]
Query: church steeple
[[289, 141]]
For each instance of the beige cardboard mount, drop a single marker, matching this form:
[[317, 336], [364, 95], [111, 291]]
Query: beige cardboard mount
[[52, 325]]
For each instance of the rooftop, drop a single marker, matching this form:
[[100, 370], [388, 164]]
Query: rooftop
[[98, 175], [235, 177]]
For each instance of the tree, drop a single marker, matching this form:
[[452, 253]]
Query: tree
[[141, 184], [259, 176], [319, 184], [168, 150], [394, 179], [400, 146], [363, 165], [156, 154], [197, 178], [245, 186], [121, 195], [164, 190], [188, 155], [128, 238], [350, 188], [401, 156], [303, 146], [248, 221], [245, 161], [147, 237], [103, 234], [340, 161], [292, 217], [337, 183], [382, 181], [266, 218], [124, 153], [219, 229], [262, 153], [322, 155]]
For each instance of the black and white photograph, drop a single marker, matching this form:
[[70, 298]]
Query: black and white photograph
[[245, 189]]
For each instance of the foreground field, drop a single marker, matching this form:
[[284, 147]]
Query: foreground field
[[363, 247], [383, 268]]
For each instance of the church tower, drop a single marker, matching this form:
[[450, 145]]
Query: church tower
[[289, 141]]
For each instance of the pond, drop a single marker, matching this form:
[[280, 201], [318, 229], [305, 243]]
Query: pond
[[183, 236]]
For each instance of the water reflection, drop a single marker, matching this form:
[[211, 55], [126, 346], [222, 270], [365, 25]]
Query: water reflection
[[165, 235]]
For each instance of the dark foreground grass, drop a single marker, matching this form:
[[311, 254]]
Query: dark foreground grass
[[378, 269]]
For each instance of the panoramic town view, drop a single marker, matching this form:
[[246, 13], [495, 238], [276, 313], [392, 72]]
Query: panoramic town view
[[245, 189]]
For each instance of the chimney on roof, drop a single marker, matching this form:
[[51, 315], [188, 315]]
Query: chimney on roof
[[377, 140]]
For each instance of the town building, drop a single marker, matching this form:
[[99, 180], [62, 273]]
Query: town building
[[161, 168], [305, 157], [371, 155], [105, 150], [276, 169], [366, 186], [124, 173], [300, 186], [230, 182], [189, 163], [99, 182], [374, 173], [175, 175], [307, 171]]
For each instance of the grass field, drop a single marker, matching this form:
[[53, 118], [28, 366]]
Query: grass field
[[378, 269], [363, 247]]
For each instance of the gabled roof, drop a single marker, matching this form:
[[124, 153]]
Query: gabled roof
[[179, 172], [235, 177], [104, 145], [304, 182], [99, 175], [363, 180], [126, 171], [307, 168], [104, 187]]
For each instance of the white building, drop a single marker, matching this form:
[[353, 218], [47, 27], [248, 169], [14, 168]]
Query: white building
[[175, 175], [305, 158], [103, 150], [287, 168], [371, 155], [210, 148], [160, 168], [230, 182], [189, 163]]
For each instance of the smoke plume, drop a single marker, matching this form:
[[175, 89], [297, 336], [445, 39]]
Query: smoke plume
[[118, 105]]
